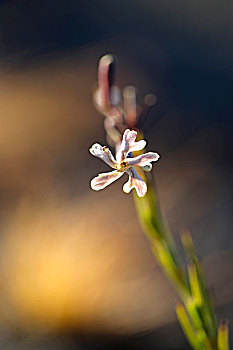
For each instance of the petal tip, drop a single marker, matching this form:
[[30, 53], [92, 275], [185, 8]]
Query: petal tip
[[147, 167], [94, 149], [126, 189], [93, 185]]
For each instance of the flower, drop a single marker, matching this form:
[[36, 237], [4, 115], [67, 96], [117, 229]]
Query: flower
[[124, 164]]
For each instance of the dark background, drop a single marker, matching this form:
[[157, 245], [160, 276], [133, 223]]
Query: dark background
[[55, 231]]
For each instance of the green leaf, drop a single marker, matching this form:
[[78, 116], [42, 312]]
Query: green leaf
[[223, 336], [195, 285], [193, 311], [187, 327]]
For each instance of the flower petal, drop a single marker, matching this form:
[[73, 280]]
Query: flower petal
[[147, 167], [135, 181], [128, 144], [137, 146], [103, 153], [144, 159], [103, 180]]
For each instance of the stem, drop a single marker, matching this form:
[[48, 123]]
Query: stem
[[196, 316]]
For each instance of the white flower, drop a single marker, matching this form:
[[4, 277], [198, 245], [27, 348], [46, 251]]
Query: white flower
[[122, 164]]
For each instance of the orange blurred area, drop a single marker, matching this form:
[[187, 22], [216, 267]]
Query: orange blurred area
[[73, 261], [79, 268]]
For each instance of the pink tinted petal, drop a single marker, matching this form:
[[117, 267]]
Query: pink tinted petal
[[115, 95], [128, 137], [143, 159], [128, 144], [104, 82], [130, 105], [135, 181], [112, 111], [103, 153], [97, 99], [106, 95], [137, 146], [103, 180]]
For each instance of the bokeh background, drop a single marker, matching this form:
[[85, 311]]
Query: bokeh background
[[76, 271]]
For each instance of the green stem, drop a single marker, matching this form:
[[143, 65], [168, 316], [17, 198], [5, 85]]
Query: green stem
[[163, 245], [196, 317]]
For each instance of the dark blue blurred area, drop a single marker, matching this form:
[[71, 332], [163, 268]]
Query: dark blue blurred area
[[196, 38], [185, 50]]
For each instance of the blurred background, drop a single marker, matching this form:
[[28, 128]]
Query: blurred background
[[76, 271]]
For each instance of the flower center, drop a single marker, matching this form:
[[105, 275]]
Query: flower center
[[122, 166]]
